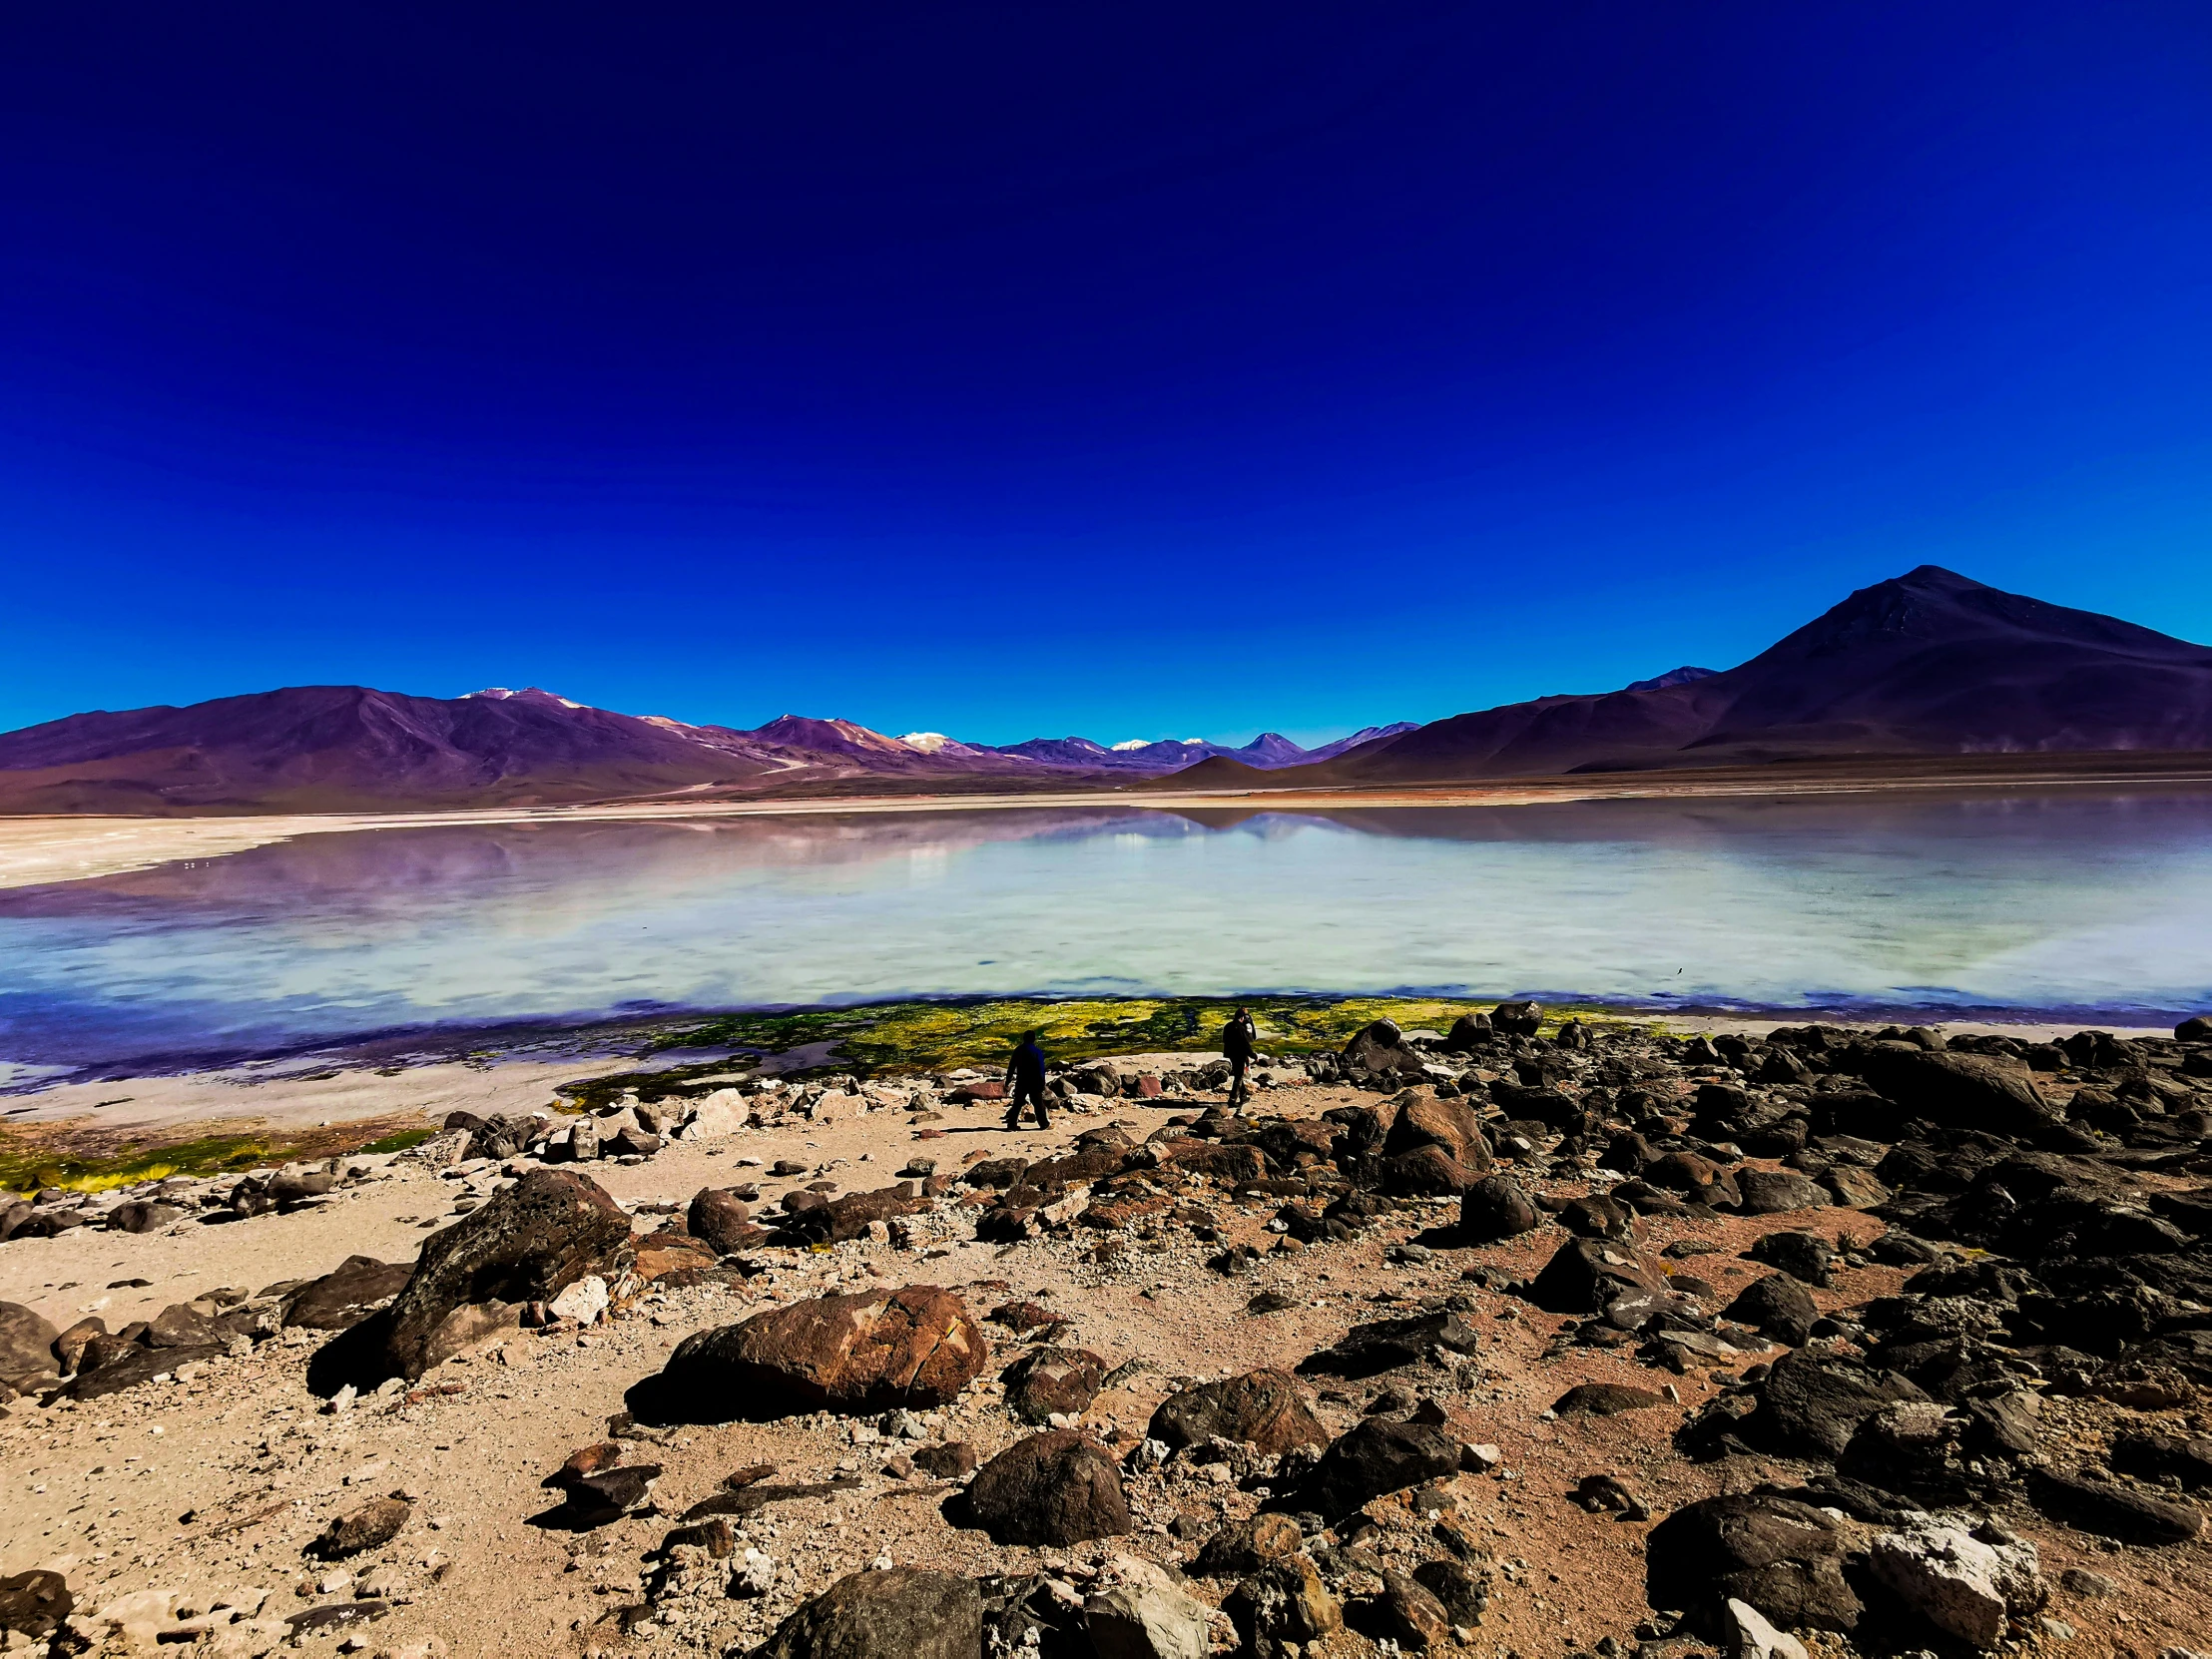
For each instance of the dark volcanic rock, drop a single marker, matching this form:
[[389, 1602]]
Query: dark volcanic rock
[[2153, 1456], [372, 1527], [528, 1244], [26, 1342], [1425, 1120], [1598, 1217], [1783, 1557], [1264, 1408], [1777, 1306], [1051, 1380], [1380, 1456], [1056, 1489], [1768, 1192], [721, 1220], [1245, 1546], [143, 1214], [1378, 1048], [346, 1295], [1958, 1091], [1385, 1345], [893, 1613], [35, 1603], [1813, 1400], [869, 1351], [1604, 1400], [1805, 1257], [1428, 1172], [1494, 1208], [1517, 1019], [1585, 1274], [2111, 1510]]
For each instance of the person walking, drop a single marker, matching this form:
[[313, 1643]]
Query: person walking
[[1026, 1082], [1240, 1042]]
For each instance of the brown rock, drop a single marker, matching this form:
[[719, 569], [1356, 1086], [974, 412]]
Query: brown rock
[[70, 1346], [1264, 1409], [528, 1244], [26, 1342], [1055, 1489], [897, 1613], [951, 1461], [372, 1527], [1408, 1614], [35, 1603], [917, 1345], [1285, 1601], [1245, 1546], [1051, 1380], [720, 1219], [1605, 1399], [1425, 1120], [346, 1295]]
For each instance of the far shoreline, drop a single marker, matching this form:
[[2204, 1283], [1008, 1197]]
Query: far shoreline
[[46, 849]]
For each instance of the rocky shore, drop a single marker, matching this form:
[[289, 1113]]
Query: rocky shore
[[1525, 1340]]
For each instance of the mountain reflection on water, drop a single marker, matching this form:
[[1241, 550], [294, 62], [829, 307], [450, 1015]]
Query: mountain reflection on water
[[2059, 900]]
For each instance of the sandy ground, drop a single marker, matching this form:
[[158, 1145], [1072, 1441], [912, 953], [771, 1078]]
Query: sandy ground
[[217, 1102], [35, 850], [212, 1487]]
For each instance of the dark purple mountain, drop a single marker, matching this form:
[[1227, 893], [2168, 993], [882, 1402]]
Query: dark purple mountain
[[1926, 662], [337, 748]]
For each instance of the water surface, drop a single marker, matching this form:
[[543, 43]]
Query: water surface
[[2071, 901]]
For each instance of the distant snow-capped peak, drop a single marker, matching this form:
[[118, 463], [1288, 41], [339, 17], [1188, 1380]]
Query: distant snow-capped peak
[[501, 693]]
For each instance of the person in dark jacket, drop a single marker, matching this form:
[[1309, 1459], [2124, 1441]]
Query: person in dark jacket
[[1240, 1042], [1026, 1082]]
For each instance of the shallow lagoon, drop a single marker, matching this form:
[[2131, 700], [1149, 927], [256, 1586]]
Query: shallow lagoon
[[2077, 902]]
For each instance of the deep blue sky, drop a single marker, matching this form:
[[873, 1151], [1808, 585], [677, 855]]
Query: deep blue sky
[[1131, 371]]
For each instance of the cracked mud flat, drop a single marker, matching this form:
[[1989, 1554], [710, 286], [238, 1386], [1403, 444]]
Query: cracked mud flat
[[181, 1511]]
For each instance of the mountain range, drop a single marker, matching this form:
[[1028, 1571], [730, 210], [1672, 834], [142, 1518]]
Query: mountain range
[[1928, 663]]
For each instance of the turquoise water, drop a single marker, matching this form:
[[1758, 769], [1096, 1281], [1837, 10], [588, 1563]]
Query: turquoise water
[[2062, 902]]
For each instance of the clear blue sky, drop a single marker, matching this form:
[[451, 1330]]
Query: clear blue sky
[[1122, 369]]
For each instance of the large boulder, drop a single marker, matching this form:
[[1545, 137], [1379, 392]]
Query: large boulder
[[890, 1613], [528, 1244], [1264, 1409], [1813, 1399], [26, 1344], [1959, 1091], [1147, 1615], [143, 1214], [1495, 1208], [1770, 1192], [1517, 1019], [1428, 1172], [1284, 1604], [1777, 1306], [1379, 1047], [35, 1603], [1964, 1580], [346, 1295], [1056, 1489], [1584, 1275], [1425, 1120], [1379, 1456], [917, 1345], [2111, 1510], [1783, 1557], [722, 1221]]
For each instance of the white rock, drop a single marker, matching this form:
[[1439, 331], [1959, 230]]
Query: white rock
[[1961, 1575], [1146, 1616], [581, 1301], [715, 1116], [755, 1575], [1750, 1636]]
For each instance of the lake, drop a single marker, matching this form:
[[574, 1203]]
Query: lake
[[2075, 903]]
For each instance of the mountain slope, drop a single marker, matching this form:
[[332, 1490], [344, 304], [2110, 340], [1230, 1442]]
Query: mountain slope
[[337, 748], [1926, 662]]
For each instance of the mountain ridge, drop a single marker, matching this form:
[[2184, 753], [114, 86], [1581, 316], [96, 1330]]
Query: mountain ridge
[[1930, 662]]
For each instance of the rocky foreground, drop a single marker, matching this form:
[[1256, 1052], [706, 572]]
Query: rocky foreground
[[1825, 1341]]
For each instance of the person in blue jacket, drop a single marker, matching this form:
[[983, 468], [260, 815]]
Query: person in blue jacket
[[1026, 1082]]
